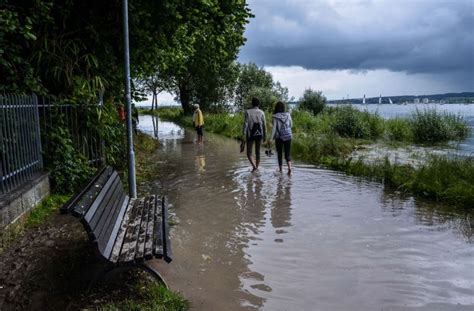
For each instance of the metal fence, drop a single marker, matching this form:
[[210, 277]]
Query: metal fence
[[77, 121], [30, 128], [20, 144]]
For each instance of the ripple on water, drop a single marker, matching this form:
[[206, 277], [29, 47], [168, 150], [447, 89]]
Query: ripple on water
[[316, 240]]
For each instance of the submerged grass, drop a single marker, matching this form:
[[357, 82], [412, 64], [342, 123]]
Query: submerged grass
[[330, 137]]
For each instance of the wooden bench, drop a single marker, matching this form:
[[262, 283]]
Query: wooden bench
[[125, 232]]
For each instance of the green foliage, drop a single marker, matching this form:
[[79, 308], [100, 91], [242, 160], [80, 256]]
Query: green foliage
[[150, 297], [254, 81], [431, 126], [313, 101], [267, 98], [398, 129], [448, 179], [348, 121], [68, 169], [250, 77]]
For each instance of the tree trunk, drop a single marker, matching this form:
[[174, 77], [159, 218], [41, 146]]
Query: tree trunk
[[184, 98]]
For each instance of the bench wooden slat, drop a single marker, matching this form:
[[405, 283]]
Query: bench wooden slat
[[115, 233], [107, 225], [99, 199], [141, 238], [127, 253], [89, 197], [105, 208], [166, 237], [148, 254], [158, 230], [117, 247], [84, 192]]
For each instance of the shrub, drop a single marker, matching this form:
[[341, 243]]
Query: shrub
[[68, 169], [267, 96], [312, 101], [431, 126], [398, 130], [347, 121]]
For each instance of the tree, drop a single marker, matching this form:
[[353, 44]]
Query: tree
[[313, 101], [205, 73], [250, 76], [256, 82]]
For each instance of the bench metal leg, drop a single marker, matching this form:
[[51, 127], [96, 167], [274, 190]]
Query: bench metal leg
[[153, 272], [115, 269]]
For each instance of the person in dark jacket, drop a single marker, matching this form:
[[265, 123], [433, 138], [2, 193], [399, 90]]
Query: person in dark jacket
[[281, 132], [254, 131]]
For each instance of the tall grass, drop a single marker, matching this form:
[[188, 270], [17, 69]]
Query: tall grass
[[398, 130], [432, 126], [347, 121]]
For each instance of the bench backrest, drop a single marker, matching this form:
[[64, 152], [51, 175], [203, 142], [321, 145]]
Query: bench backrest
[[101, 206]]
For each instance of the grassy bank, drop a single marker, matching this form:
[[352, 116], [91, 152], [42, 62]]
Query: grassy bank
[[330, 137], [149, 296]]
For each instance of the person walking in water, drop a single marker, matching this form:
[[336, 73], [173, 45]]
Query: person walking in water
[[254, 131], [281, 132], [198, 121]]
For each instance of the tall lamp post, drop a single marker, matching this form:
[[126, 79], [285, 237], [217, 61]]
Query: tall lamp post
[[132, 183]]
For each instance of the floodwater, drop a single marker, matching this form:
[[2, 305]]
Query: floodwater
[[316, 240]]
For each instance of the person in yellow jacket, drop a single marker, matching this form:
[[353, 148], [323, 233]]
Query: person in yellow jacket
[[198, 121]]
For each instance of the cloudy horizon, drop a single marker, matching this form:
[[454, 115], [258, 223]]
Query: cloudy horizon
[[362, 47]]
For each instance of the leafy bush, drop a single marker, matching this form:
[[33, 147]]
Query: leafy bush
[[398, 129], [431, 126], [68, 169], [347, 121], [312, 101], [267, 96]]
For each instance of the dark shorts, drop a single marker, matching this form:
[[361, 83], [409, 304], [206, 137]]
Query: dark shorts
[[199, 130]]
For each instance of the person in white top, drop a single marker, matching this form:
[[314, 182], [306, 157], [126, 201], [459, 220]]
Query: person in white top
[[254, 131]]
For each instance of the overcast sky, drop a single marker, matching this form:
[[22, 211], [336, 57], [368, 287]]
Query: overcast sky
[[357, 47]]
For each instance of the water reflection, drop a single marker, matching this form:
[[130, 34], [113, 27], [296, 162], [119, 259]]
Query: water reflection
[[318, 240], [281, 207]]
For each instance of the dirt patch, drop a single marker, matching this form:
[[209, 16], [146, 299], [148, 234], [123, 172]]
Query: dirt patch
[[51, 267]]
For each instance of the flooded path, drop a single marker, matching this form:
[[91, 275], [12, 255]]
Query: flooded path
[[317, 240]]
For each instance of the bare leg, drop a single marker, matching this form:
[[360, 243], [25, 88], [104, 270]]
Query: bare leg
[[254, 167], [289, 167], [249, 154]]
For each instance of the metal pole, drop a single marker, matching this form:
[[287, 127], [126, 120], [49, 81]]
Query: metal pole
[[132, 185]]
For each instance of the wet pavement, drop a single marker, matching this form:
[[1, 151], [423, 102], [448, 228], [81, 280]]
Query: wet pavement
[[316, 240]]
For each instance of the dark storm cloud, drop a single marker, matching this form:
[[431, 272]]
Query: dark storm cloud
[[417, 36]]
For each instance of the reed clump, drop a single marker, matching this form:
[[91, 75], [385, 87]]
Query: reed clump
[[432, 126]]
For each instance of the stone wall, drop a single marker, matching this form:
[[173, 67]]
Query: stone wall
[[13, 205]]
